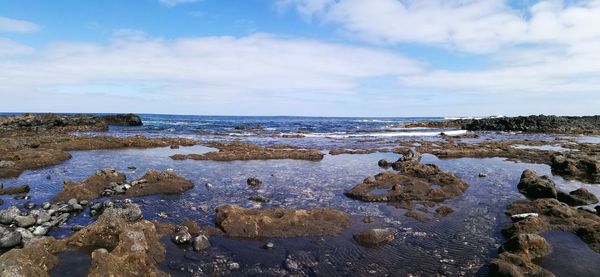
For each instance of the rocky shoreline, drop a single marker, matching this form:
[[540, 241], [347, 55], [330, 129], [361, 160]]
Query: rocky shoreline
[[532, 124], [120, 240]]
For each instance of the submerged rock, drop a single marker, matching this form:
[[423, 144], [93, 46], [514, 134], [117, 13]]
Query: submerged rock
[[374, 237], [253, 182], [236, 221], [14, 190], [201, 242]]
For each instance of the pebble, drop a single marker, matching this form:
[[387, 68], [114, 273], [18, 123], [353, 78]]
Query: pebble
[[208, 185], [269, 245], [182, 236], [29, 205], [25, 221], [46, 205], [482, 175]]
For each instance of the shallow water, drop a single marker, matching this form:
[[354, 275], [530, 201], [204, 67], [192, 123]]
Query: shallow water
[[459, 244]]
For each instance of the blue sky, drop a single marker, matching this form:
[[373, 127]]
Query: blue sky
[[301, 57]]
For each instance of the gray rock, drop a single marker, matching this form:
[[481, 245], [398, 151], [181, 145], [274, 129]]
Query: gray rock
[[29, 205], [10, 239], [26, 235], [25, 221], [8, 215], [96, 206], [40, 230], [200, 243], [291, 265], [84, 202], [46, 205]]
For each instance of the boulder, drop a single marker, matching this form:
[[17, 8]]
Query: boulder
[[534, 186], [374, 237]]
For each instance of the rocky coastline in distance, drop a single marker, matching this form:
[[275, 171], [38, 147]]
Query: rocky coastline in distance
[[531, 124], [66, 123]]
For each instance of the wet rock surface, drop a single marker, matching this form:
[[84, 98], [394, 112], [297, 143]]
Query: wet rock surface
[[374, 237], [532, 123], [232, 151], [578, 167], [236, 221], [14, 189], [411, 182], [111, 183], [18, 155], [120, 241], [123, 119]]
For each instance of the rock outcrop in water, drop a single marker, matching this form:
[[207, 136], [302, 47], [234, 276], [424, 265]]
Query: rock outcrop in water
[[412, 182], [123, 119], [109, 182], [233, 151], [240, 222], [65, 123], [532, 123], [576, 166], [122, 244], [534, 186], [547, 209]]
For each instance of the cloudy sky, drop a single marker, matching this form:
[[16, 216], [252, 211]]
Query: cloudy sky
[[301, 57]]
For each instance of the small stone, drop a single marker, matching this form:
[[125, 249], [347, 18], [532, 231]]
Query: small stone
[[127, 201], [84, 202], [40, 230], [204, 208], [208, 185], [482, 175], [46, 205], [163, 215], [174, 146], [131, 167], [8, 215], [269, 245], [233, 266], [383, 163], [108, 204], [253, 182], [96, 206], [182, 236], [29, 205], [72, 202], [48, 177], [258, 198], [10, 240], [201, 242]]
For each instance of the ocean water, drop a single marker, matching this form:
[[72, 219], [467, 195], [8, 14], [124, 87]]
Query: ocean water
[[460, 244]]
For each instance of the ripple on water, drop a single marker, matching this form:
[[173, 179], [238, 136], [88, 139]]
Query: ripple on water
[[459, 244]]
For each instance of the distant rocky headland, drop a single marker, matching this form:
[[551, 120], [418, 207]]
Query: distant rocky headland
[[60, 122], [532, 124]]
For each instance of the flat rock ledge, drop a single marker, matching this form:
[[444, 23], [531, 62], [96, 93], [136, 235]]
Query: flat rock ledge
[[234, 151], [241, 222], [111, 183]]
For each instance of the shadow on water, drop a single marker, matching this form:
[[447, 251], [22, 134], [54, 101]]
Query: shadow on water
[[570, 256], [72, 263]]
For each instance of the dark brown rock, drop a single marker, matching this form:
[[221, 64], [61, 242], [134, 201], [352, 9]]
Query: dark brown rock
[[232, 151], [534, 186], [374, 237], [14, 190], [236, 221]]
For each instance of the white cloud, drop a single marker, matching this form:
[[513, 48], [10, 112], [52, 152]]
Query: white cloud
[[17, 26], [11, 48], [172, 3], [256, 68], [479, 26]]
